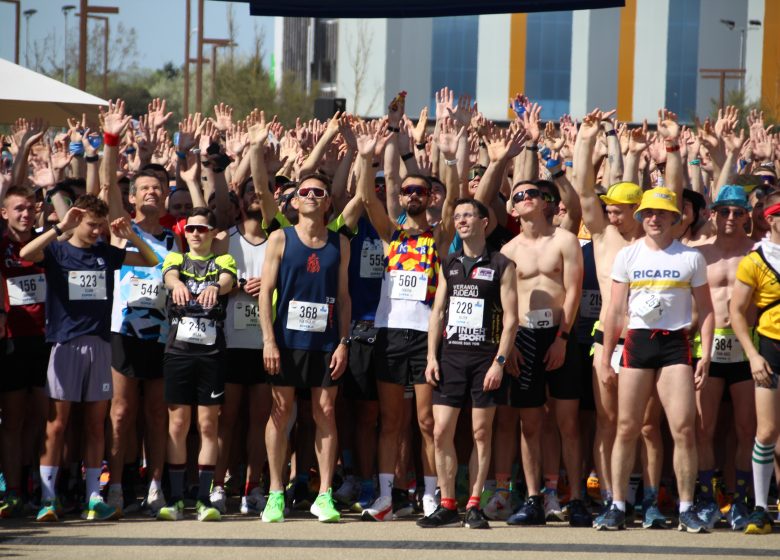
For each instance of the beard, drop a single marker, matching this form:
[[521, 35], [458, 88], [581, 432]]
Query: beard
[[415, 210]]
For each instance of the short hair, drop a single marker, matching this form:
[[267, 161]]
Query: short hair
[[156, 168], [480, 209], [772, 198], [145, 172], [211, 218], [424, 178], [92, 204], [23, 191], [322, 178]]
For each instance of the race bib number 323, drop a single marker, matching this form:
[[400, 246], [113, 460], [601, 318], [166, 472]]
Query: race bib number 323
[[87, 285]]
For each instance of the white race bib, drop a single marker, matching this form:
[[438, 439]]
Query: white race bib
[[306, 316], [146, 292], [245, 315], [466, 312], [539, 319], [372, 259], [726, 349], [649, 307], [614, 360], [408, 284], [197, 331], [590, 304], [26, 290], [87, 285]]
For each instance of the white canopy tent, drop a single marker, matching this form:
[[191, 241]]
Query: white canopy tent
[[25, 93]]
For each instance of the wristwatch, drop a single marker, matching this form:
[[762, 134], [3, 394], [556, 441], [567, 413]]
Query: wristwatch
[[346, 341], [501, 360]]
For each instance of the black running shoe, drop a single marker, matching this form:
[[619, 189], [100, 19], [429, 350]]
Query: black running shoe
[[475, 519], [579, 515], [442, 517], [530, 513]]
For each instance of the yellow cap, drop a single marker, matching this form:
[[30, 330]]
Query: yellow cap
[[659, 198], [623, 193]]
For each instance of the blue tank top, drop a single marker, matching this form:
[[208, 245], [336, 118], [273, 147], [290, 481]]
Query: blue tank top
[[366, 268], [590, 303], [307, 286]]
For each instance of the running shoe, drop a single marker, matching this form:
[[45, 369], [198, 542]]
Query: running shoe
[[530, 513], [173, 511], [365, 498], [218, 499], [253, 503], [323, 508], [475, 519], [98, 510], [115, 498], [429, 504], [11, 506], [155, 501], [348, 491], [48, 511], [599, 519], [440, 518], [708, 512], [274, 508], [498, 507], [652, 518], [738, 516], [579, 516], [691, 522], [613, 520], [380, 510], [759, 522], [207, 512], [552, 507], [402, 505]]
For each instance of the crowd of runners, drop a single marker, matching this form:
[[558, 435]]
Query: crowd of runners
[[450, 318]]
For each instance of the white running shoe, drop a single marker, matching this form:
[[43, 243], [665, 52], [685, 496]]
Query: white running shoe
[[254, 503], [155, 501], [218, 499], [380, 510], [429, 505], [499, 507], [552, 508]]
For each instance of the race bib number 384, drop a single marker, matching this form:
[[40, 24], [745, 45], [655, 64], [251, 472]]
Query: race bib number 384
[[87, 285]]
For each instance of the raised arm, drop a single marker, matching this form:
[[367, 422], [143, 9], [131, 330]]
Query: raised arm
[[450, 136], [318, 152], [584, 174], [670, 132], [33, 251], [366, 143]]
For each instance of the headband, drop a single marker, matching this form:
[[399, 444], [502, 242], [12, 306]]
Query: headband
[[772, 210]]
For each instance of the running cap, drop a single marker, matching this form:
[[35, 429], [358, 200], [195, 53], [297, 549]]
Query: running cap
[[659, 198], [732, 195], [623, 193]]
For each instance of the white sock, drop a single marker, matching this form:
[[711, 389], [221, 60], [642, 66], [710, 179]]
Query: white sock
[[620, 504], [93, 482], [685, 506], [48, 481], [430, 485], [763, 465], [155, 485], [386, 485]]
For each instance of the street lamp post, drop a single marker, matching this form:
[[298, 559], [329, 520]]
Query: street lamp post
[[17, 24], [27, 15], [65, 11], [753, 25]]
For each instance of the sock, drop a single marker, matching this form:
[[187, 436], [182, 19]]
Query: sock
[[502, 483], [176, 476], [92, 481], [205, 480], [763, 465], [48, 480], [651, 493], [741, 489], [430, 485], [633, 486], [449, 503], [705, 484], [346, 459], [155, 485], [385, 485], [473, 502], [685, 506], [620, 504], [551, 482]]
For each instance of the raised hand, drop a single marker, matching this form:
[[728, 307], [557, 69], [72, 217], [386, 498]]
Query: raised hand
[[345, 129], [189, 132], [395, 111], [445, 101], [121, 228], [449, 135], [637, 139], [157, 117], [236, 140], [531, 122], [114, 119], [418, 132], [223, 117], [258, 132], [667, 125], [60, 157], [462, 112], [762, 144], [76, 128]]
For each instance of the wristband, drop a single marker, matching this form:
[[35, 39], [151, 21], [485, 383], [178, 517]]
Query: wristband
[[694, 162], [91, 159], [558, 174], [672, 149], [568, 163], [612, 132], [420, 146], [405, 157], [532, 147], [393, 129], [57, 230], [451, 162], [563, 335], [181, 155], [110, 139], [76, 148]]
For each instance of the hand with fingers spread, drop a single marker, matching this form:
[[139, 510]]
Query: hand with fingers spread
[[223, 117], [76, 128], [60, 157], [189, 132], [345, 129], [762, 144], [637, 140], [156, 115], [236, 140], [258, 132], [462, 112], [667, 126], [114, 119], [445, 102], [531, 122], [449, 135]]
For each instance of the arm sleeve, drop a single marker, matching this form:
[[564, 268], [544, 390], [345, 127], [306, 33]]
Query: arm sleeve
[[172, 260], [116, 257]]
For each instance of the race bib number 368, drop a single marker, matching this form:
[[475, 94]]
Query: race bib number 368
[[87, 285], [306, 316]]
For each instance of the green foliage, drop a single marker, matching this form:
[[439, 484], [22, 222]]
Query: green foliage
[[736, 97]]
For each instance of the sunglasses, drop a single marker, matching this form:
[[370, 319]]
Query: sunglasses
[[419, 190], [726, 212], [474, 173], [768, 180], [200, 228], [520, 196], [316, 192]]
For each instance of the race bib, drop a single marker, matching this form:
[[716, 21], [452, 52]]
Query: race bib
[[372, 259], [197, 331], [307, 317], [26, 290], [539, 319], [466, 312], [408, 284], [148, 293], [726, 349], [590, 304], [87, 285], [649, 307], [245, 315], [614, 360]]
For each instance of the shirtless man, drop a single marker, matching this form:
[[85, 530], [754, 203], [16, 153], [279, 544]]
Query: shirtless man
[[549, 272], [730, 368]]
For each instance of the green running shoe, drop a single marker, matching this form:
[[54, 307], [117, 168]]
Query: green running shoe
[[11, 507], [48, 511], [274, 508], [323, 508], [174, 511], [207, 512], [98, 510]]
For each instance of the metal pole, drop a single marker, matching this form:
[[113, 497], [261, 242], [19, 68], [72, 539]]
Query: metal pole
[[186, 103], [214, 73], [106, 32], [65, 50], [199, 63], [742, 55], [83, 45], [18, 29]]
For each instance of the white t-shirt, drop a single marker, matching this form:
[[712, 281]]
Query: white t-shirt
[[242, 323], [660, 283]]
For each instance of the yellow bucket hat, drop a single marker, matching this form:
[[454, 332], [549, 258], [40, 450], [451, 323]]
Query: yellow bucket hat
[[659, 198], [623, 193]]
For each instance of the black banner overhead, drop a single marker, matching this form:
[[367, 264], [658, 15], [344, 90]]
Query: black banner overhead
[[416, 8]]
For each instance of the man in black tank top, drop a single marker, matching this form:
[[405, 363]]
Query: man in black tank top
[[476, 311]]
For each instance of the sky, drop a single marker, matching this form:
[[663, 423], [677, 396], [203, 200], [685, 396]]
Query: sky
[[158, 23]]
